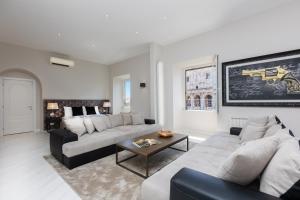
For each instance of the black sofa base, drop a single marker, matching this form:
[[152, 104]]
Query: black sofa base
[[75, 161]]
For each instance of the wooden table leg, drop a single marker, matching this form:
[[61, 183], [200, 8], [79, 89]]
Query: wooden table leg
[[147, 166]]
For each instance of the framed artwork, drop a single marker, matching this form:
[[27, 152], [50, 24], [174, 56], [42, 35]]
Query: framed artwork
[[269, 80]]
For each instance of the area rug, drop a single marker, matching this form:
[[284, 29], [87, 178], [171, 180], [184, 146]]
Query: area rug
[[103, 179]]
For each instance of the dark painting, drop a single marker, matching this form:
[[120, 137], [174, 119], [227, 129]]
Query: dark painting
[[271, 80]]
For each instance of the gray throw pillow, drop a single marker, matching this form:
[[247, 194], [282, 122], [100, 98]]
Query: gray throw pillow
[[252, 132], [247, 162], [283, 171], [116, 120], [137, 119]]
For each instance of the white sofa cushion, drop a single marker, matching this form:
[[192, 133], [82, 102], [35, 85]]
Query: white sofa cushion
[[116, 120], [75, 125], [96, 140], [283, 170], [127, 120], [137, 119], [89, 125], [204, 158], [252, 132], [247, 162], [101, 122], [272, 130]]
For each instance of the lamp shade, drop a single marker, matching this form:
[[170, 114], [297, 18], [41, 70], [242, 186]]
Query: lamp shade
[[106, 104], [52, 106]]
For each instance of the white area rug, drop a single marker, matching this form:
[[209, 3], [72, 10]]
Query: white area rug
[[103, 179]]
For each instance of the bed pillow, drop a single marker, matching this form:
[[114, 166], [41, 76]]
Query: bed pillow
[[101, 123], [116, 120], [246, 163], [77, 111], [281, 177], [75, 125], [252, 132], [127, 119], [89, 125], [97, 110], [137, 119], [90, 110], [68, 112]]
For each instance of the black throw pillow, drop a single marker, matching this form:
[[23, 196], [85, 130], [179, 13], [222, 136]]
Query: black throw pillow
[[77, 111], [90, 110]]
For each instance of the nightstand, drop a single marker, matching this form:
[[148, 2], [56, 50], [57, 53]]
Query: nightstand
[[52, 123]]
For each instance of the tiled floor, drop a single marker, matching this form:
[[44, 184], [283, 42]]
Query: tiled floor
[[25, 175]]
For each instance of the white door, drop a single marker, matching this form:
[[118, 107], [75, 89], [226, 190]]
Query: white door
[[18, 105]]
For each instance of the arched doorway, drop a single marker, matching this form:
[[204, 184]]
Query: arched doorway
[[8, 76]]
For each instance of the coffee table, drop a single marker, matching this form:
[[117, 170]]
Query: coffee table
[[147, 152]]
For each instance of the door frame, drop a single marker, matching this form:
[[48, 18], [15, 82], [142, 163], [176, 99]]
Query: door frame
[[2, 79]]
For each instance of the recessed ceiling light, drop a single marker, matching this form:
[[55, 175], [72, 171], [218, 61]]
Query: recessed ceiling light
[[93, 45], [165, 17], [137, 32], [58, 34], [106, 16]]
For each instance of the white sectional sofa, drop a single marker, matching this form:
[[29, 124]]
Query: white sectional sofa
[[198, 174], [86, 139]]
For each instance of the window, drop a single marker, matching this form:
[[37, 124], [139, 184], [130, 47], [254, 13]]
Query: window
[[127, 92], [201, 88]]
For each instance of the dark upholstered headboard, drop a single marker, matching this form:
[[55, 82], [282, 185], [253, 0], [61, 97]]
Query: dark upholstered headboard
[[70, 103]]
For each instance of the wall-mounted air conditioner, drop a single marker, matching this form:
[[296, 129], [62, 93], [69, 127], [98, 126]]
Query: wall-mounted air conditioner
[[61, 62]]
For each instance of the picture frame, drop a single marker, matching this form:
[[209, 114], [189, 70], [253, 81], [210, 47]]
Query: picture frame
[[270, 80]]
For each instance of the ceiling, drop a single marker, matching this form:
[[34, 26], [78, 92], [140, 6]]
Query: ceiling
[[108, 31]]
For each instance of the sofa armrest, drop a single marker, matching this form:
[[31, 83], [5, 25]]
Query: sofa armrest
[[59, 137], [189, 184], [235, 130], [149, 121]]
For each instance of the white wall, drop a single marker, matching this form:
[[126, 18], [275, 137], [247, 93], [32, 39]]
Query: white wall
[[86, 80], [139, 70], [271, 32]]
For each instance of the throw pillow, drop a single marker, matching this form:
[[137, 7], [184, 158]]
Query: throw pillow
[[116, 120], [101, 123], [97, 110], [68, 112], [272, 130], [127, 120], [90, 110], [281, 177], [252, 132], [272, 120], [75, 125], [247, 162], [137, 119], [89, 125], [77, 111]]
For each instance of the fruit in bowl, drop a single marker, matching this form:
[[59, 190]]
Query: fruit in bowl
[[165, 133]]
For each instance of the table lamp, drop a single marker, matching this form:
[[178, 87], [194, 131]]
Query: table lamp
[[107, 105], [52, 106]]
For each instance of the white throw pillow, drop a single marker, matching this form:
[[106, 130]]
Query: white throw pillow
[[75, 125], [84, 111], [252, 132], [246, 163], [272, 120], [127, 119], [272, 130], [116, 120], [89, 125], [68, 112], [137, 119], [283, 171], [259, 120], [101, 123]]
